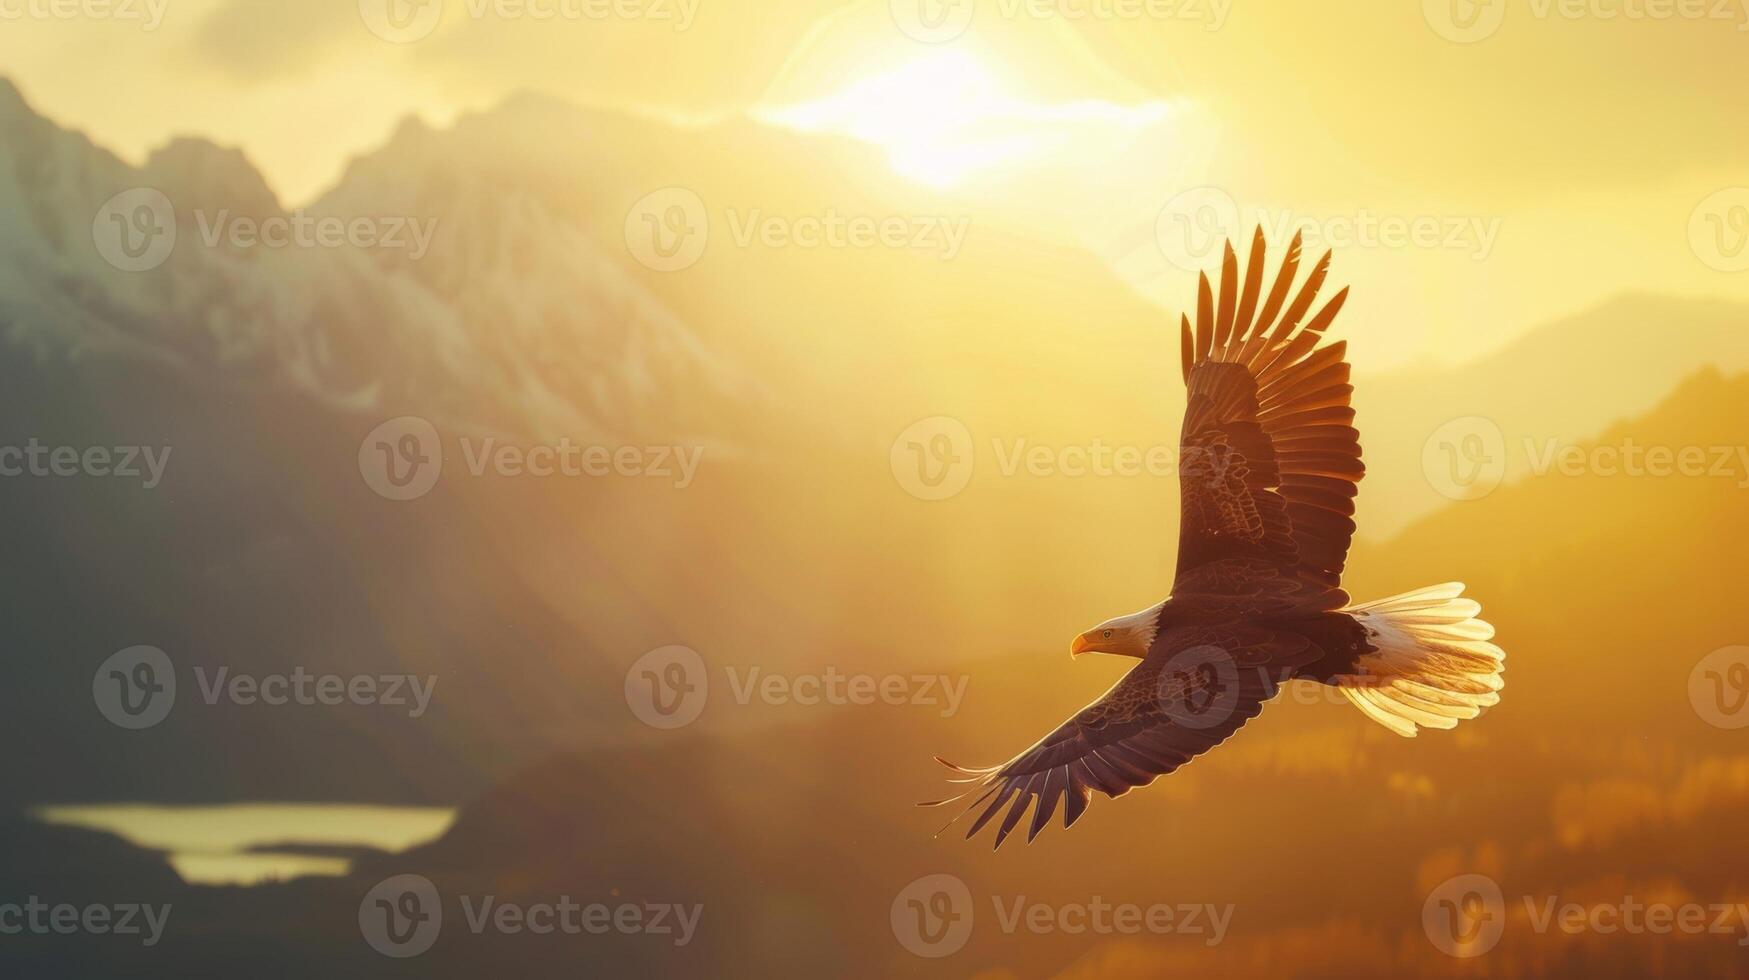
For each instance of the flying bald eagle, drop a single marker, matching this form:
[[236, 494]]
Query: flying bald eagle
[[1269, 467]]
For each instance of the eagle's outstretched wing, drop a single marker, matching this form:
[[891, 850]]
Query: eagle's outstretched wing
[[1167, 710], [1269, 453]]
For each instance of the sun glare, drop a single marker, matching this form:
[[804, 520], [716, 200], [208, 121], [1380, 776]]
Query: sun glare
[[945, 117]]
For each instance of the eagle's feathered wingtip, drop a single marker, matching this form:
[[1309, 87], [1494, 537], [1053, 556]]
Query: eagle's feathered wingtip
[[1225, 318], [980, 777], [985, 771]]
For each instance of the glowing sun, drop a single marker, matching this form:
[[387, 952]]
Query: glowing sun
[[947, 116]]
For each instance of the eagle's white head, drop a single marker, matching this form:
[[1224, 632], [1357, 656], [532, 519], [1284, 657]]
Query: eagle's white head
[[1125, 636]]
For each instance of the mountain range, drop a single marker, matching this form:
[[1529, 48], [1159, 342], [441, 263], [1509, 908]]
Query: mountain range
[[796, 550]]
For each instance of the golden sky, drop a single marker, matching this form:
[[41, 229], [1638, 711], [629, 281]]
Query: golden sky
[[1569, 153]]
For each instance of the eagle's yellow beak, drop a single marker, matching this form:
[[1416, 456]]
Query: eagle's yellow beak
[[1079, 646]]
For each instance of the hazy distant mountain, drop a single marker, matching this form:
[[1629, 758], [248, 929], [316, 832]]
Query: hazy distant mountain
[[970, 326], [1565, 381], [517, 324], [527, 312]]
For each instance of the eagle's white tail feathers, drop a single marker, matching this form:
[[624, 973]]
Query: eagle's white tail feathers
[[1433, 666]]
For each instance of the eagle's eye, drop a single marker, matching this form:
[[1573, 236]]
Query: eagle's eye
[[1107, 634]]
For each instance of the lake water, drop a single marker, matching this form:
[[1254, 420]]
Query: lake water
[[213, 845]]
